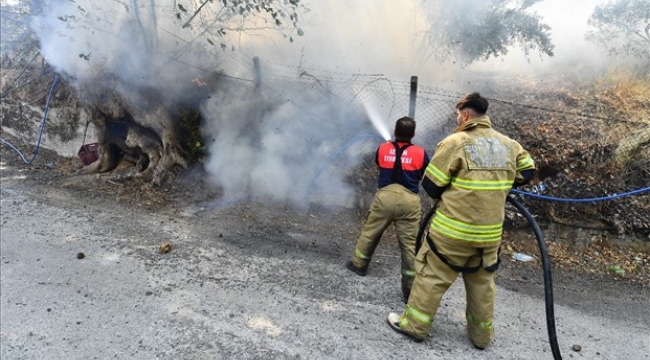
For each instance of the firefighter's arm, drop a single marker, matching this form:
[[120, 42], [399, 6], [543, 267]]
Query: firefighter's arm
[[432, 189], [525, 168], [526, 176], [437, 175]]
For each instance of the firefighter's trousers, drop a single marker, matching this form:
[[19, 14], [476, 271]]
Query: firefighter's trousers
[[392, 204], [433, 278]]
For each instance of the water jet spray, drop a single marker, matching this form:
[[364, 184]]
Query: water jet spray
[[377, 121]]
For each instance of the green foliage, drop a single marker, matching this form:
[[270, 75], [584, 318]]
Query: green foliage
[[229, 9], [473, 30], [240, 15], [623, 28]]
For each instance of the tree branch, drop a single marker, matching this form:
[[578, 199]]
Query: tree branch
[[187, 23], [646, 38]]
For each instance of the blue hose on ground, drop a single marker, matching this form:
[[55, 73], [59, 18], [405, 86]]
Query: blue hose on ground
[[602, 198], [40, 134]]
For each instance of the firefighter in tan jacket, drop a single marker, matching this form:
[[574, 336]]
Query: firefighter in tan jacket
[[471, 173]]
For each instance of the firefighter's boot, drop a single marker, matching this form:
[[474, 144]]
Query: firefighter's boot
[[394, 321], [358, 266]]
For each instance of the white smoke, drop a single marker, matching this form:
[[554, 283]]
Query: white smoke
[[138, 43], [78, 39], [388, 37], [568, 22], [288, 146], [278, 142], [147, 44]]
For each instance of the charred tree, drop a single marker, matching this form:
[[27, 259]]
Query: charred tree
[[139, 128]]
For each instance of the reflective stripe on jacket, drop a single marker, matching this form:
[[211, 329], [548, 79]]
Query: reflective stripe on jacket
[[478, 165]]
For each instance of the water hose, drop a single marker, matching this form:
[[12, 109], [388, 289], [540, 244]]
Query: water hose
[[548, 282], [546, 267]]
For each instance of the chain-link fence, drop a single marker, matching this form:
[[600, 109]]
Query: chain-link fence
[[578, 154], [583, 147]]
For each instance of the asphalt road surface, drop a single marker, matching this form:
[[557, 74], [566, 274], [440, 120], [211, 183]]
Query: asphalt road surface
[[246, 281]]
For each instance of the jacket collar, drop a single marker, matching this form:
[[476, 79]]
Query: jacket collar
[[482, 121], [401, 141]]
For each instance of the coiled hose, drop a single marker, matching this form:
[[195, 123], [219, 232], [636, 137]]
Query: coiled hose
[[546, 267]]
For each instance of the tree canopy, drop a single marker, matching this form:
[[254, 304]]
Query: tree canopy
[[623, 28], [474, 30]]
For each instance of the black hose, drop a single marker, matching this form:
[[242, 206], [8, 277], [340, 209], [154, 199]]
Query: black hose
[[546, 266], [423, 227], [548, 282]]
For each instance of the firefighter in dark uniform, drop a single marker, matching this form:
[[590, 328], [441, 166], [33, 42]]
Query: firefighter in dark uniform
[[401, 167], [471, 173]]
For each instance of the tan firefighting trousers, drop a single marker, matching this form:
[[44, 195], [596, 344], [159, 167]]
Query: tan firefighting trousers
[[433, 278], [392, 204]]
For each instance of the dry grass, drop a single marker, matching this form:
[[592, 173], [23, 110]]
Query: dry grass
[[624, 94], [624, 97], [601, 150]]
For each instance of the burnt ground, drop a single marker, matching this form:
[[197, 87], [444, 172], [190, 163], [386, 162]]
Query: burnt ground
[[606, 275]]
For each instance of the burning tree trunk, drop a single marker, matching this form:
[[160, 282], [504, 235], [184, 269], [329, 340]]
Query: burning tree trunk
[[139, 127]]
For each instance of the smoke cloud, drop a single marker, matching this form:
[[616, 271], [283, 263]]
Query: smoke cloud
[[279, 141], [137, 43], [389, 38], [283, 146], [568, 22]]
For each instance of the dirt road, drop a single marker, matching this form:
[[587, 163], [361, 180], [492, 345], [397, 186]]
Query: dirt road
[[255, 281]]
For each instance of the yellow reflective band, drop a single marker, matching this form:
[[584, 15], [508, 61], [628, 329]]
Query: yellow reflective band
[[463, 226], [360, 255], [438, 174], [408, 272], [463, 231], [465, 236], [483, 325], [525, 163], [403, 321], [482, 184], [417, 315]]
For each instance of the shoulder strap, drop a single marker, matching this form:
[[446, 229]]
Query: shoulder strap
[[396, 177]]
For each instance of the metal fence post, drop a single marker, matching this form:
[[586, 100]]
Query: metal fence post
[[413, 96], [258, 72]]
